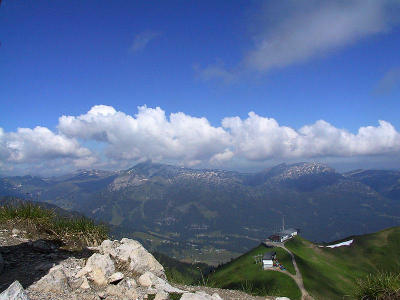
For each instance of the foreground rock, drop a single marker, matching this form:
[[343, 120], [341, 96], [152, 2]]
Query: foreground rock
[[156, 284], [112, 271], [200, 296], [120, 270], [14, 292], [56, 281], [99, 267], [135, 257]]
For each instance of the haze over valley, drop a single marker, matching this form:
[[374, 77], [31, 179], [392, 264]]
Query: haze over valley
[[212, 215]]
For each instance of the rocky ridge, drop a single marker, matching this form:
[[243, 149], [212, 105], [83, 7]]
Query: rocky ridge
[[114, 270]]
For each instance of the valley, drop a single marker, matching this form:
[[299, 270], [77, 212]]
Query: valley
[[213, 215]]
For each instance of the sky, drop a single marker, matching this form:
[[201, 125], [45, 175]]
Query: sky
[[238, 85]]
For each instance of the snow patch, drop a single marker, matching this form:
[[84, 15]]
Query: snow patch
[[346, 243]]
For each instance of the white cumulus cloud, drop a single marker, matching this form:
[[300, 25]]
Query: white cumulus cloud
[[183, 139], [41, 146], [148, 134], [260, 138]]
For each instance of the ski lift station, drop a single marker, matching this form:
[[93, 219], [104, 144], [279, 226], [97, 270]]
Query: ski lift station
[[283, 235]]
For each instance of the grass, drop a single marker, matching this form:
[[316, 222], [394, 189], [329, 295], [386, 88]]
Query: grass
[[181, 272], [245, 275], [76, 232], [171, 296], [334, 273], [379, 286]]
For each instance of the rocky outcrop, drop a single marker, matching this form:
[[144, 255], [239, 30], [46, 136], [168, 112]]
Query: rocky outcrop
[[118, 270], [200, 296], [14, 292], [99, 267], [56, 281], [157, 284], [133, 255]]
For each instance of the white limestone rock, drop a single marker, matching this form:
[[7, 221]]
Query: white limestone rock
[[131, 252], [120, 292], [161, 296], [200, 296], [54, 282], [146, 280], [282, 298], [85, 284], [115, 278], [215, 296], [100, 268], [14, 292], [149, 280]]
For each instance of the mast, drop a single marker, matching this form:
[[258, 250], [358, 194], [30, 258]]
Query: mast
[[283, 223]]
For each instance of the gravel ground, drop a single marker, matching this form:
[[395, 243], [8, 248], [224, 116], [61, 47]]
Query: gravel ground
[[224, 294]]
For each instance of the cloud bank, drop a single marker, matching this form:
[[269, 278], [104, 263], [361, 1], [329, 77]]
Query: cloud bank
[[293, 31], [185, 140]]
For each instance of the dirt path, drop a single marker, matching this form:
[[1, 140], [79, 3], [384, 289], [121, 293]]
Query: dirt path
[[298, 278]]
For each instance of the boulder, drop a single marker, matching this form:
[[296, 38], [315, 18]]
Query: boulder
[[115, 278], [14, 292], [146, 280], [54, 282], [121, 292], [282, 298], [85, 284], [200, 296], [99, 267], [149, 280], [161, 296], [130, 252], [215, 296]]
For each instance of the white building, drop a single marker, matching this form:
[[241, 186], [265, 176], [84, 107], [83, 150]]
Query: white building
[[283, 235], [268, 260], [287, 234]]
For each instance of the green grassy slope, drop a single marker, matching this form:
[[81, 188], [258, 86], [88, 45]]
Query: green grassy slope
[[243, 274], [332, 273], [181, 272]]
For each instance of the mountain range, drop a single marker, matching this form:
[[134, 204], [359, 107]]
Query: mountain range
[[203, 212]]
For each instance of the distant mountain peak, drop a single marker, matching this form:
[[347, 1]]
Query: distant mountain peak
[[305, 169]]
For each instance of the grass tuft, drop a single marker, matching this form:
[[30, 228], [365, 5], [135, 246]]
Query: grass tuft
[[77, 232], [25, 211], [380, 286]]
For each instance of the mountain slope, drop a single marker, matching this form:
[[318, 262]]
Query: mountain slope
[[331, 273], [243, 273], [208, 212], [328, 273], [384, 182]]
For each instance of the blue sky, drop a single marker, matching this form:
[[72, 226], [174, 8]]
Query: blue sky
[[292, 63]]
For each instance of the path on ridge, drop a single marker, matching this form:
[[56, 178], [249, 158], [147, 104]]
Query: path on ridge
[[298, 278]]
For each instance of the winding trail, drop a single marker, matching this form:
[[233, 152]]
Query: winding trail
[[298, 278]]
